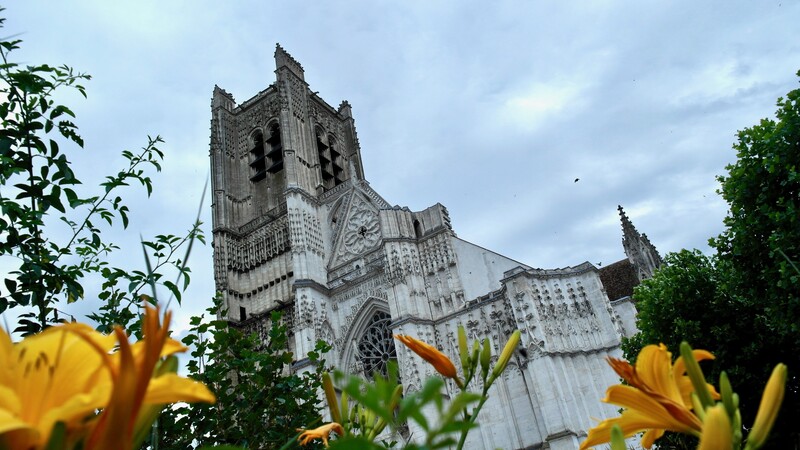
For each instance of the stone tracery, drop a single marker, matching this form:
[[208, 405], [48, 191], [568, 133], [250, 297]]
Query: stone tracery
[[375, 346]]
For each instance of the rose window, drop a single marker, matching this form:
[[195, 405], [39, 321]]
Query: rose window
[[376, 348], [362, 232]]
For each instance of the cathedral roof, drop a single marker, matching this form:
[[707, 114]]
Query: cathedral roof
[[619, 279]]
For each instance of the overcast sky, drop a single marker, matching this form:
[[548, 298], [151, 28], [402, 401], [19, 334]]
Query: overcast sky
[[493, 109]]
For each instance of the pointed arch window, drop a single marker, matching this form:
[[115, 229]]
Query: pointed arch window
[[331, 161], [274, 149], [266, 156], [376, 347], [258, 163]]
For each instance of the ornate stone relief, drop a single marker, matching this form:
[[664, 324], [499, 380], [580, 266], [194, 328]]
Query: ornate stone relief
[[400, 263], [226, 126], [298, 98], [436, 253], [569, 322], [259, 246], [255, 116], [372, 287], [321, 116], [283, 95], [305, 231], [305, 311], [359, 231]]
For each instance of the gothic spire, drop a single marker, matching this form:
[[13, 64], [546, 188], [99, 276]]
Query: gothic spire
[[629, 232], [640, 252]]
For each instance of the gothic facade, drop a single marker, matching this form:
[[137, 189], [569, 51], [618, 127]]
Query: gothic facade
[[297, 228]]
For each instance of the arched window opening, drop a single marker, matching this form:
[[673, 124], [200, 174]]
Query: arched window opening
[[376, 347], [274, 149], [258, 162], [417, 229], [331, 162], [337, 162]]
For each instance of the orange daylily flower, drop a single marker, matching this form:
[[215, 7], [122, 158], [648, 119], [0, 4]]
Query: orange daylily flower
[[68, 372], [134, 386], [656, 399], [437, 359], [54, 376], [320, 433]]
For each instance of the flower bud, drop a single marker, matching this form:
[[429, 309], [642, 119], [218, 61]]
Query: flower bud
[[716, 430], [617, 439], [463, 349], [726, 391], [330, 395], [696, 375], [505, 356], [486, 356], [768, 409]]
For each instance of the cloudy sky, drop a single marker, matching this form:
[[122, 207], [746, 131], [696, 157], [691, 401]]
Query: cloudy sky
[[493, 109]]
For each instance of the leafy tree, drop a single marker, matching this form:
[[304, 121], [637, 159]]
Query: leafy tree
[[760, 248], [684, 301], [38, 192], [743, 303], [260, 403]]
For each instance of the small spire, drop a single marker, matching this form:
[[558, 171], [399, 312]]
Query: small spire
[[345, 109], [640, 252], [628, 230], [284, 59], [222, 98]]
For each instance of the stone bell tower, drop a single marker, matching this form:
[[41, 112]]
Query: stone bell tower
[[272, 158]]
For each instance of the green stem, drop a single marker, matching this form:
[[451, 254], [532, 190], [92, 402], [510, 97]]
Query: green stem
[[472, 418]]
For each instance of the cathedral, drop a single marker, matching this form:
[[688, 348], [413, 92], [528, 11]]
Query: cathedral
[[298, 229]]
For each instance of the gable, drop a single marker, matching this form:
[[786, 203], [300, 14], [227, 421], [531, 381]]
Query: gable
[[357, 229]]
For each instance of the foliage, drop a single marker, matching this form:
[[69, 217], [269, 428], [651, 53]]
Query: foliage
[[371, 405], [39, 190], [744, 302], [259, 402], [760, 248], [70, 387], [366, 408], [684, 298]]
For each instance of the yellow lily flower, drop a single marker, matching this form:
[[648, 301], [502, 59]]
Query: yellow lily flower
[[319, 433], [657, 398], [131, 371], [432, 355], [54, 376], [67, 373]]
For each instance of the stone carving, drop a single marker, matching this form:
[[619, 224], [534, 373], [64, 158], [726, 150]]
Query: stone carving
[[361, 232], [372, 287], [321, 116], [259, 246], [260, 324], [298, 97], [436, 253], [256, 116], [305, 232]]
